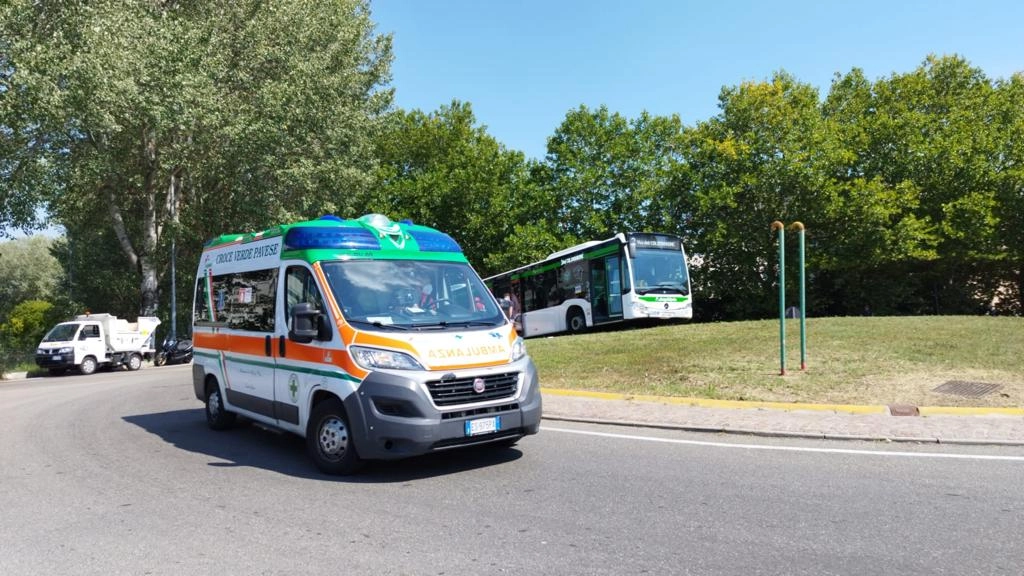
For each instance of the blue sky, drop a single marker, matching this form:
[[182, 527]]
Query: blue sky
[[524, 64]]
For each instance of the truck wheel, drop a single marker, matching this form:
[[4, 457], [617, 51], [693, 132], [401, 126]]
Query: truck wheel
[[134, 362], [329, 439], [217, 417], [88, 365]]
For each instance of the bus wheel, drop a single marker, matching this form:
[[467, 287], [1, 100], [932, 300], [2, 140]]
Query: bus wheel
[[576, 321], [329, 439], [217, 417]]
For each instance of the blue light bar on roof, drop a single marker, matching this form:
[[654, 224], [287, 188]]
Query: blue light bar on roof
[[434, 241], [314, 237]]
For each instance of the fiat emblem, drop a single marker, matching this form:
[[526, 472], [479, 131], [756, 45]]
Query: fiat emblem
[[479, 385]]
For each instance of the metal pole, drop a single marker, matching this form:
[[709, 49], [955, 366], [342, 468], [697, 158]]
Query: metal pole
[[174, 300], [781, 228], [803, 299]]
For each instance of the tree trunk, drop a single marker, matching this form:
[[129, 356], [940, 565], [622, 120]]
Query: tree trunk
[[149, 289]]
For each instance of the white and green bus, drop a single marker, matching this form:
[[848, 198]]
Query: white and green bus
[[630, 276]]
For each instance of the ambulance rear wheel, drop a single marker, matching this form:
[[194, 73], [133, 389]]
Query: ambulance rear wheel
[[329, 439], [217, 417], [134, 362]]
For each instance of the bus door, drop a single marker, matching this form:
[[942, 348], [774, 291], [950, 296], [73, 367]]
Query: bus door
[[605, 288]]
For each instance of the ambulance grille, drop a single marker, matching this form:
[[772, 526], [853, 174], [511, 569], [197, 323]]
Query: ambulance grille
[[460, 390]]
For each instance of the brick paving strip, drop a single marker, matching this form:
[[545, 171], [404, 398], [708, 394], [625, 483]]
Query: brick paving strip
[[1002, 426]]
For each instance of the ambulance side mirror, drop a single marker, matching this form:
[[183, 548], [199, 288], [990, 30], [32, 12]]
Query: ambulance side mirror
[[305, 319]]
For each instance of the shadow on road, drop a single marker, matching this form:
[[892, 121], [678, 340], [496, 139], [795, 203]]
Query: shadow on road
[[252, 446]]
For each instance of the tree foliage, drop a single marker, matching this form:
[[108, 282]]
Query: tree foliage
[[606, 172], [443, 170], [28, 271], [162, 120]]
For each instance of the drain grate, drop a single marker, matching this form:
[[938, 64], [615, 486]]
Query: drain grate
[[967, 389]]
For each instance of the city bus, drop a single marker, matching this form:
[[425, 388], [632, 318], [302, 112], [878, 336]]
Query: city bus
[[631, 276]]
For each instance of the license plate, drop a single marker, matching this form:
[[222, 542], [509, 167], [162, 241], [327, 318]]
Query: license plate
[[483, 426], [667, 314], [56, 358]]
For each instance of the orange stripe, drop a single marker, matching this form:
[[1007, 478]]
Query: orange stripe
[[215, 340], [316, 355], [384, 341]]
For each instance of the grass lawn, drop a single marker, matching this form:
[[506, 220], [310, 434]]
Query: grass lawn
[[850, 360]]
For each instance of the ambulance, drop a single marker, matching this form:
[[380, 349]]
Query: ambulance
[[371, 339]]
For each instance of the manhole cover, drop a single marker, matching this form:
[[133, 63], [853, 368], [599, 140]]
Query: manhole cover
[[969, 389]]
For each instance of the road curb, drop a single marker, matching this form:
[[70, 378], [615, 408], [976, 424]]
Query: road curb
[[14, 376], [786, 406], [786, 434]]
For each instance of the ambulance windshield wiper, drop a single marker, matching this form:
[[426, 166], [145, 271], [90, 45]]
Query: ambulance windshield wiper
[[381, 325], [456, 324]]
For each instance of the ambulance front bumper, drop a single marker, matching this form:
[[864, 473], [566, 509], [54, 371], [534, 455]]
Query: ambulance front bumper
[[395, 416]]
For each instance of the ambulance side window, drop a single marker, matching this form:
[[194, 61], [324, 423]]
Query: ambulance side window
[[300, 286], [239, 300]]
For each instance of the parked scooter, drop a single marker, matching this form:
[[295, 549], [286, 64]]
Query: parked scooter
[[174, 352]]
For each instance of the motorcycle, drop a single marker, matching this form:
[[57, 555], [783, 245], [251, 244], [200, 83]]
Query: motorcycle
[[174, 351]]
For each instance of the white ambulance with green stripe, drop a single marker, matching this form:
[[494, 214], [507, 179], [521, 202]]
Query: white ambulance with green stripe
[[372, 339]]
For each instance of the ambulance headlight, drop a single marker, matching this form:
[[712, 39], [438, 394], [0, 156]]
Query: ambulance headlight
[[66, 350], [372, 358], [518, 349]]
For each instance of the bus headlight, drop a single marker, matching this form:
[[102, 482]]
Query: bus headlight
[[371, 358], [518, 349]]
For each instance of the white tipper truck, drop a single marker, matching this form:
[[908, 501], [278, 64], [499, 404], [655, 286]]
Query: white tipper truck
[[94, 340]]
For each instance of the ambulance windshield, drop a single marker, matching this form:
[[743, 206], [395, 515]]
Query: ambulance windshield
[[408, 294]]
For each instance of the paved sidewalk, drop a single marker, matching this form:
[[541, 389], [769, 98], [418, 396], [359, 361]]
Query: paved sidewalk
[[934, 425]]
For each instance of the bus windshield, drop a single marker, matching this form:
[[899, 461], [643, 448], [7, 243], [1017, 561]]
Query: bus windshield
[[660, 271], [411, 294]]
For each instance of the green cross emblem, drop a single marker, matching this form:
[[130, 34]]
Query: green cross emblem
[[293, 386]]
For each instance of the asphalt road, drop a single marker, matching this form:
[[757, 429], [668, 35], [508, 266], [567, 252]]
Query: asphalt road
[[117, 473]]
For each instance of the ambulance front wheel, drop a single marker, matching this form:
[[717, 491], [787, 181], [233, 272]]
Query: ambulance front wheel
[[329, 439], [216, 416]]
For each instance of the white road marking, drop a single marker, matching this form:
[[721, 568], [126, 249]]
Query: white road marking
[[788, 448]]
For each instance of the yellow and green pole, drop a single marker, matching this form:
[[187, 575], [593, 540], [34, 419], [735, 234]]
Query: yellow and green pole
[[780, 228], [799, 227]]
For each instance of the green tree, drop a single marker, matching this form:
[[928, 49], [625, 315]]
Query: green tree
[[169, 119], [608, 173], [763, 158], [26, 325], [443, 170], [28, 271], [1009, 191], [933, 144]]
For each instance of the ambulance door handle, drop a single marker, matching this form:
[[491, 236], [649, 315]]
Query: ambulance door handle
[[266, 346], [280, 346]]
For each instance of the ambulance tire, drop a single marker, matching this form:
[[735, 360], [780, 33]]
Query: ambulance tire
[[88, 365], [134, 362], [217, 418], [329, 439]]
